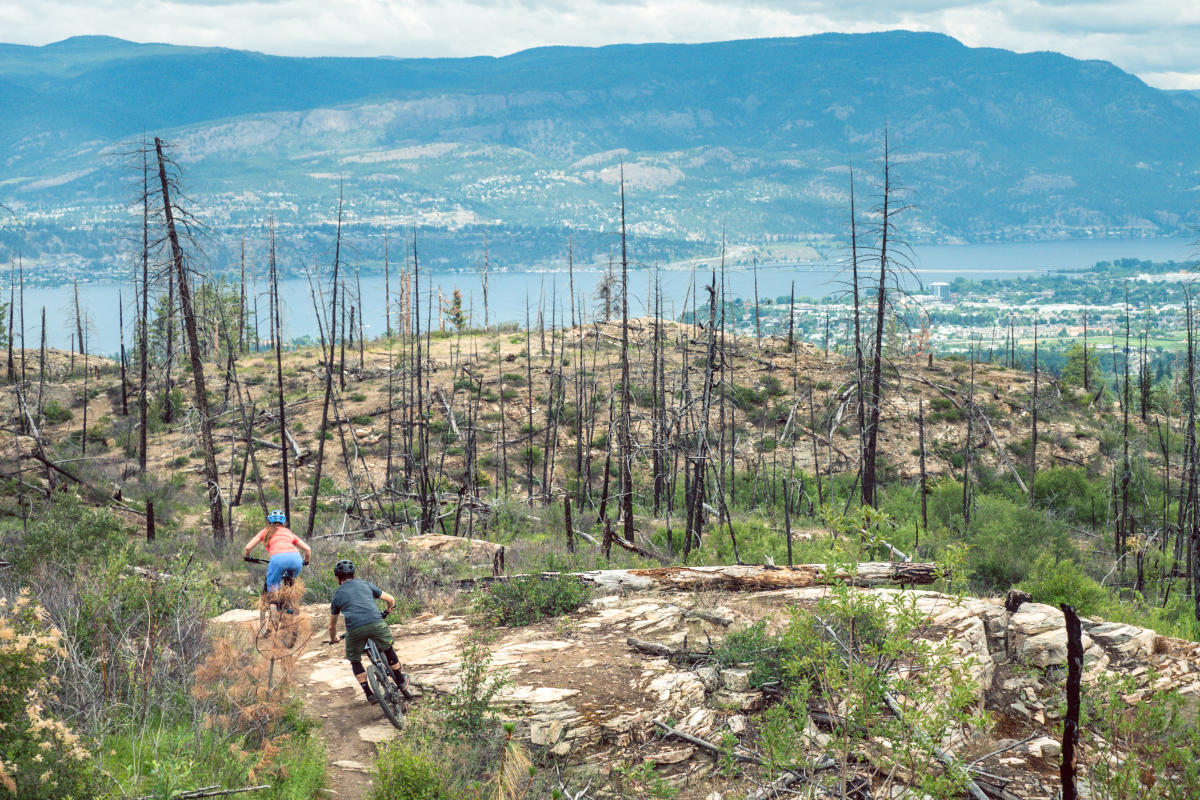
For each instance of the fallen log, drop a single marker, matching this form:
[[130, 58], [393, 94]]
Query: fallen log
[[662, 651], [758, 578], [744, 578]]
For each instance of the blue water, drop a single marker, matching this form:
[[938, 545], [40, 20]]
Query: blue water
[[509, 291]]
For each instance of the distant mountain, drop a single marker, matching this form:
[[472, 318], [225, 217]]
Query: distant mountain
[[755, 136]]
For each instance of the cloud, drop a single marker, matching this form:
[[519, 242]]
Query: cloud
[[1154, 38]]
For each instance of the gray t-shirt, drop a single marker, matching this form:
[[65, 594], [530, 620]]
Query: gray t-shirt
[[355, 600]]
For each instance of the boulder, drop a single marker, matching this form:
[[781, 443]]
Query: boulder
[[1127, 641], [1037, 635], [1044, 747], [743, 701], [710, 677], [678, 690], [736, 679]]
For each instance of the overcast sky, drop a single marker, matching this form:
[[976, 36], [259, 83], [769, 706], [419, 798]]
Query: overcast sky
[[1159, 40]]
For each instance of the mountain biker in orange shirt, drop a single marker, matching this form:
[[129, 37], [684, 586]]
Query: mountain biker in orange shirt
[[283, 549]]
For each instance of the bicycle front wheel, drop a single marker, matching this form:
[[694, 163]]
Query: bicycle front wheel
[[390, 699]]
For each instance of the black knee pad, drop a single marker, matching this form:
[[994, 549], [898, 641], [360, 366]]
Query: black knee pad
[[357, 667], [392, 658]]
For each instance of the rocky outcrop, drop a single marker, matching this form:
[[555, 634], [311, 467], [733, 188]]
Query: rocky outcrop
[[580, 691]]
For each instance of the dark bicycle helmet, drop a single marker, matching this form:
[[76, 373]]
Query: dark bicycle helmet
[[277, 516], [343, 568]]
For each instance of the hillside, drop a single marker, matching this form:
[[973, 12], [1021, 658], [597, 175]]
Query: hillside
[[752, 135], [771, 397], [467, 472]]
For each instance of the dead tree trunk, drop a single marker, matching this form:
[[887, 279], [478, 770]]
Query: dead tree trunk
[[626, 394], [121, 329], [869, 454], [1070, 740], [211, 476], [967, 446], [1034, 412], [924, 477], [277, 335]]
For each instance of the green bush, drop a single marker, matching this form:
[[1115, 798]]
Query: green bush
[[843, 654], [403, 773], [1055, 582], [67, 535], [526, 601], [746, 398], [1068, 491], [1005, 536], [753, 645], [468, 709], [53, 412], [1158, 734], [531, 456], [773, 386]]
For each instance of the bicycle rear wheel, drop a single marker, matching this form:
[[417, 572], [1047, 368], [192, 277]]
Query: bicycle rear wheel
[[390, 699]]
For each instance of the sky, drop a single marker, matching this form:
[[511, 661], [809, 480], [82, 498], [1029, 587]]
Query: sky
[[1154, 39]]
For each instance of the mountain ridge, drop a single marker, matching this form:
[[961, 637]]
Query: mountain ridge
[[747, 134]]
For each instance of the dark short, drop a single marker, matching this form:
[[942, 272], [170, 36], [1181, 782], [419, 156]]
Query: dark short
[[356, 639]]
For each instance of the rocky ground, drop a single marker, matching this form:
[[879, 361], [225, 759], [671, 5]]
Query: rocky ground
[[583, 695]]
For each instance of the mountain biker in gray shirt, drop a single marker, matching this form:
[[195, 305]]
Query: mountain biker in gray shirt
[[355, 600]]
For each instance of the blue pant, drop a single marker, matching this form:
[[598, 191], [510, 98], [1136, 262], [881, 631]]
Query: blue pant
[[282, 565]]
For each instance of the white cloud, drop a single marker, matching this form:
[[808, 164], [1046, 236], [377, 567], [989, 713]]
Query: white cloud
[[1153, 38]]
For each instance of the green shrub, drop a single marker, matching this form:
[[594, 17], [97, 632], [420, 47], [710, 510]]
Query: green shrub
[[746, 398], [1158, 734], [53, 412], [403, 773], [753, 645], [1055, 582], [522, 601], [67, 535], [469, 708], [1068, 491], [843, 654], [531, 456], [1005, 536], [773, 386]]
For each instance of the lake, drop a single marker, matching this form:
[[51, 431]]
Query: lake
[[509, 291]]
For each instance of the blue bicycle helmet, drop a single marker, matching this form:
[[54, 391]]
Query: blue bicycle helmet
[[277, 517]]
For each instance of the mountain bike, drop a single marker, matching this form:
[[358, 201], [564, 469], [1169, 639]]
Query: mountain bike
[[393, 698], [287, 626]]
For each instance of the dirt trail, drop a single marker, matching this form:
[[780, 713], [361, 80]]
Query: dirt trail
[[350, 727]]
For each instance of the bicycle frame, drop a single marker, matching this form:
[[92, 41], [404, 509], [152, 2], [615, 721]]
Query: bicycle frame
[[383, 685]]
